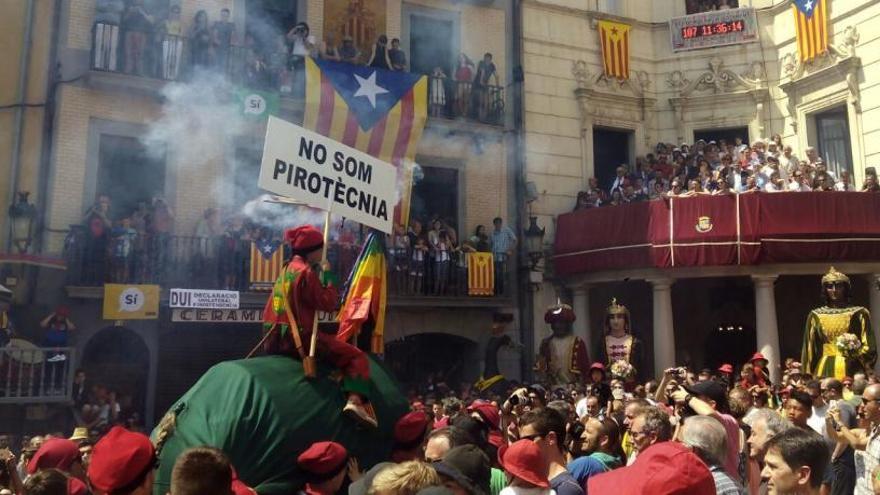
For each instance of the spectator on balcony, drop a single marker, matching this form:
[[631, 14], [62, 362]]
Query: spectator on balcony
[[328, 49], [399, 251], [302, 45], [438, 91], [348, 52], [812, 155], [675, 189], [97, 222], [137, 24], [788, 160], [485, 78], [397, 56], [169, 33], [870, 184], [799, 182], [503, 244], [464, 76], [620, 180], [58, 326], [276, 65], [823, 182], [255, 70], [108, 17], [751, 184], [160, 225], [123, 239], [722, 187], [442, 260], [379, 58], [845, 182], [480, 241], [200, 38], [658, 189], [222, 39], [418, 259], [775, 184], [583, 201], [233, 250]]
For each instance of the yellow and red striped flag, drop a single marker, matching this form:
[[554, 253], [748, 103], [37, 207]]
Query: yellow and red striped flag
[[365, 297], [379, 112], [481, 274], [811, 26], [614, 40], [267, 261]]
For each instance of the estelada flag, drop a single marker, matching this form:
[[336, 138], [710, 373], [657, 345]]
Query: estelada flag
[[481, 274], [811, 27], [267, 261], [377, 111], [614, 40], [365, 296]]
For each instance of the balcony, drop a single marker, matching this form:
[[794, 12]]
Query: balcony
[[743, 229], [174, 59], [31, 374], [224, 263]]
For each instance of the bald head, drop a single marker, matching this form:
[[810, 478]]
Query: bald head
[[870, 409]]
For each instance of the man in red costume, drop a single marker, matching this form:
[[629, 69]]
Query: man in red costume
[[303, 288], [562, 357]]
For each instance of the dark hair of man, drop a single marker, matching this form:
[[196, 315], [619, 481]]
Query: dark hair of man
[[200, 471], [46, 482], [545, 420], [455, 436], [611, 429], [835, 385], [496, 220], [802, 397], [814, 385], [802, 448]]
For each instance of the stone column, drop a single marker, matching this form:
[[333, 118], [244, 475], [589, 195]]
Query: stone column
[[664, 331], [766, 323], [874, 292], [581, 306]]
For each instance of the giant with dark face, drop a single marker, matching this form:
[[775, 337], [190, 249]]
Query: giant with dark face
[[838, 319], [562, 357]]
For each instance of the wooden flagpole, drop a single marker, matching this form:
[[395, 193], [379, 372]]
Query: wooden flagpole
[[309, 364]]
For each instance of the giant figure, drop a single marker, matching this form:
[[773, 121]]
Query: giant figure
[[619, 343], [825, 324], [562, 357]]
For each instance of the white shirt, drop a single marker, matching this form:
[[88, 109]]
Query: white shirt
[[817, 419], [798, 186], [771, 187], [866, 461]]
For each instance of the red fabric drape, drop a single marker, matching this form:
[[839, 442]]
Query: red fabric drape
[[772, 228]]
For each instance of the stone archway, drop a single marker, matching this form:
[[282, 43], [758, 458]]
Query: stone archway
[[118, 358]]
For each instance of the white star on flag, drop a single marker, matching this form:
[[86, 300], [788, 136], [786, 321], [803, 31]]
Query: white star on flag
[[369, 88], [808, 5]]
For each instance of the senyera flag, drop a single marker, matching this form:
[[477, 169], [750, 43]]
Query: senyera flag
[[365, 296], [377, 111]]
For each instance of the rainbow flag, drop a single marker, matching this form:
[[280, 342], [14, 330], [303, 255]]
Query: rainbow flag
[[365, 296], [379, 112], [811, 28]]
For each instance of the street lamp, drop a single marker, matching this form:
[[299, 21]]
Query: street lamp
[[534, 241], [22, 214]]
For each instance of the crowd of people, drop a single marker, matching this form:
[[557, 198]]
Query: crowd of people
[[690, 432], [720, 168]]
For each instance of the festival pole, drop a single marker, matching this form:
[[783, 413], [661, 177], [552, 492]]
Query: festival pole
[[309, 365]]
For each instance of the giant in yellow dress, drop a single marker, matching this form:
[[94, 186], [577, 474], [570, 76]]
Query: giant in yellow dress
[[825, 324]]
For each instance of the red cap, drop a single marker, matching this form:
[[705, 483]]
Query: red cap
[[488, 412], [847, 379], [76, 487], [597, 366], [62, 311], [669, 468], [523, 460], [323, 458], [726, 368], [119, 458], [756, 357], [54, 453], [557, 313], [305, 238], [411, 427], [418, 406]]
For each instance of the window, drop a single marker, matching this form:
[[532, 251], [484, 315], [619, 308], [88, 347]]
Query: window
[[265, 20], [128, 173], [697, 6], [435, 194], [432, 43], [832, 132], [611, 148]]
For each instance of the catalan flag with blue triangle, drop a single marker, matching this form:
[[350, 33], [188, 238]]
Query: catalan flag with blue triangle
[[366, 294], [377, 111], [811, 27]]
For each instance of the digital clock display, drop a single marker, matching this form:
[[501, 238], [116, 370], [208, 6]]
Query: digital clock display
[[714, 29]]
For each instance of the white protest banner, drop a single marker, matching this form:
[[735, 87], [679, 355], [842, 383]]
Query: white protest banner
[[203, 299], [323, 173]]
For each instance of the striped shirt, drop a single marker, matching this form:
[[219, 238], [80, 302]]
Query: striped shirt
[[866, 461], [724, 484], [502, 241]]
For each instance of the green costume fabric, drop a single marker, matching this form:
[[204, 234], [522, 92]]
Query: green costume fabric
[[497, 482], [263, 413]]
